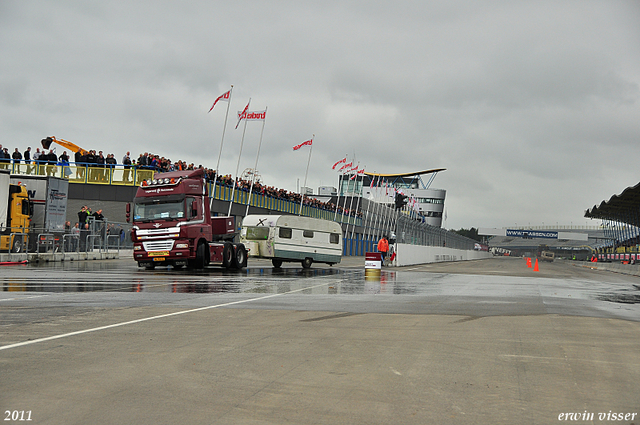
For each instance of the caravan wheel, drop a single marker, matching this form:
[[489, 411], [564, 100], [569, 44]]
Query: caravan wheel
[[277, 263], [306, 263]]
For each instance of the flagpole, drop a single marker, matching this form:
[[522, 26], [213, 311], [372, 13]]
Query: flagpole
[[224, 129], [378, 210], [244, 130], [305, 176], [255, 167], [352, 194], [335, 216], [353, 229], [366, 215]]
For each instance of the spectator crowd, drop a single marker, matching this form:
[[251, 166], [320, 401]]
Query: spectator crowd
[[97, 164]]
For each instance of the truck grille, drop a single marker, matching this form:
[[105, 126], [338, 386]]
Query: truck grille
[[165, 245]]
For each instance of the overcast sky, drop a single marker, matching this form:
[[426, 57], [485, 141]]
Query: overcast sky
[[532, 107]]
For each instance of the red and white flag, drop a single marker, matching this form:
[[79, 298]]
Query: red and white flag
[[345, 166], [242, 115], [224, 97], [360, 171], [256, 115], [342, 161], [308, 142]]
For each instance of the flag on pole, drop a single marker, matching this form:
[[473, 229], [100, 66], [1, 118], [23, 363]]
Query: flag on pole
[[345, 166], [256, 115], [307, 143], [242, 115], [224, 97], [342, 161]]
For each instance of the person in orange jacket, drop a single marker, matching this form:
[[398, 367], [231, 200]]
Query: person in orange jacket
[[383, 247]]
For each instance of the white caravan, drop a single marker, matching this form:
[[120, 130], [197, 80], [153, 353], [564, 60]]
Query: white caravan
[[292, 238]]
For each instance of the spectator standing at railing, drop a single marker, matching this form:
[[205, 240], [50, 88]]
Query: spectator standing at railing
[[98, 215], [27, 159], [52, 160], [90, 160], [83, 214], [100, 161], [36, 160], [75, 230], [142, 160], [126, 161], [80, 159], [111, 165], [5, 158], [84, 234], [64, 162], [17, 156]]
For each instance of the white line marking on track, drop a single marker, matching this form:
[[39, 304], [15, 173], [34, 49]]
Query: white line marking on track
[[145, 319]]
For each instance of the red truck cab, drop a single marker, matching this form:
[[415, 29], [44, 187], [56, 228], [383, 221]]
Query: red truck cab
[[172, 225]]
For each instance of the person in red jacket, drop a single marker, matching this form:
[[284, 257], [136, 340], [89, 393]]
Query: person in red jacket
[[383, 247]]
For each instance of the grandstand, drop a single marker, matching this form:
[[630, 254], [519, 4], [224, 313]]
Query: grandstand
[[620, 217]]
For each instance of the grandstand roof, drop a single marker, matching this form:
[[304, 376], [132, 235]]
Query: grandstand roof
[[415, 173], [623, 208]]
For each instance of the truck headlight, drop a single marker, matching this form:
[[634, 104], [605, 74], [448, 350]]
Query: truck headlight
[[137, 248], [182, 245]]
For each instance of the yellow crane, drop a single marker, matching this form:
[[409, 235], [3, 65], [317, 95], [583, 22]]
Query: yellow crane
[[46, 143]]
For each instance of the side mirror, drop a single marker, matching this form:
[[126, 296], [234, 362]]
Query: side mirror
[[128, 210]]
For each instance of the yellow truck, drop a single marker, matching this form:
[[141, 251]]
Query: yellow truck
[[15, 215]]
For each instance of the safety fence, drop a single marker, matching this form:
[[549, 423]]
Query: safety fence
[[383, 220], [97, 236]]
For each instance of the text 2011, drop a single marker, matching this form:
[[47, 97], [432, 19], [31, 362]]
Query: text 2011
[[17, 415]]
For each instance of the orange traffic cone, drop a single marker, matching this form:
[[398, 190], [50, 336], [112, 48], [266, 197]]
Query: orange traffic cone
[[529, 262], [535, 268]]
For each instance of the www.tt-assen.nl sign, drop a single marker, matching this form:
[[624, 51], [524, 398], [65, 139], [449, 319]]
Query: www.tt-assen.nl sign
[[532, 234]]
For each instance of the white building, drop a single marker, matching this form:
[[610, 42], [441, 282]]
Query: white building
[[383, 187]]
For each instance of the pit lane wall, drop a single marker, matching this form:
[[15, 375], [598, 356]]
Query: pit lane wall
[[408, 255], [616, 267]]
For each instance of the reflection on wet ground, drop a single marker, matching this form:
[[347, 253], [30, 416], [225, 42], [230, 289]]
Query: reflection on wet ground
[[624, 296], [99, 276], [253, 280]]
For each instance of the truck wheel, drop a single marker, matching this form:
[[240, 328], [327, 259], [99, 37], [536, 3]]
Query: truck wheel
[[240, 257], [17, 246], [201, 256], [277, 263], [227, 255], [306, 263]]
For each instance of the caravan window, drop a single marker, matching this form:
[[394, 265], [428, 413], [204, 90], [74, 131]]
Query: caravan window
[[334, 238], [284, 233], [257, 233], [307, 233]]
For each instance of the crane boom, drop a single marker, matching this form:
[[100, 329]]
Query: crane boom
[[46, 143]]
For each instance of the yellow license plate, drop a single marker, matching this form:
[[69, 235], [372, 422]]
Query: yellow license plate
[[158, 259], [158, 253]]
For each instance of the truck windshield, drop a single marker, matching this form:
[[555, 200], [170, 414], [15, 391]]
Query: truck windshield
[[158, 210], [257, 233]]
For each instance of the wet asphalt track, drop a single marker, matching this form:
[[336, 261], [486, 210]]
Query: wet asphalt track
[[490, 341]]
